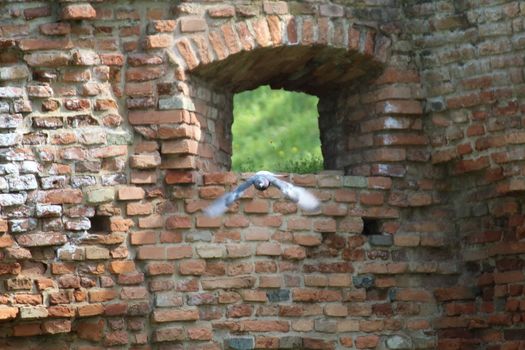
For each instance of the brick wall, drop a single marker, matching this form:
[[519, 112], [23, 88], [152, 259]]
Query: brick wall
[[115, 123]]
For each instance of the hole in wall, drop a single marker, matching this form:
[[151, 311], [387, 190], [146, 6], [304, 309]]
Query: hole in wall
[[371, 227], [276, 130], [100, 224]]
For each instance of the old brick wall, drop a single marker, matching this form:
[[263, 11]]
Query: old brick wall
[[115, 124]]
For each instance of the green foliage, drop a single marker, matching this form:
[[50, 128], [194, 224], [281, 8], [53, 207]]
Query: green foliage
[[276, 130]]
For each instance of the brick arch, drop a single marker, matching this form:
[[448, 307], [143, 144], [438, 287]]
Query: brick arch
[[335, 44], [317, 55]]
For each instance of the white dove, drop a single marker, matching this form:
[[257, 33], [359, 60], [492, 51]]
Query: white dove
[[261, 181]]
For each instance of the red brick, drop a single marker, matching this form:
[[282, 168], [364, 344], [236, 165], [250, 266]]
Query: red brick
[[144, 73], [187, 53], [170, 315], [43, 44], [158, 41], [192, 267], [245, 36], [92, 331], [179, 252], [256, 207], [200, 333], [367, 342], [136, 208], [8, 312], [55, 28], [90, 310], [216, 43], [62, 196], [37, 12], [223, 11], [130, 193], [121, 266], [151, 253], [133, 293], [78, 11], [192, 24], [157, 117], [230, 38], [315, 295], [101, 295], [265, 326], [61, 311], [509, 277], [26, 330]]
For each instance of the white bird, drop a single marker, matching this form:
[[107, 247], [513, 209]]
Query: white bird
[[261, 181]]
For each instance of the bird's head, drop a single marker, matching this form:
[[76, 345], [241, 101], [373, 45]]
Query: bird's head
[[261, 183]]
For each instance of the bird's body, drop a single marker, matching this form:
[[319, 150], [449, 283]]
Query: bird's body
[[261, 181]]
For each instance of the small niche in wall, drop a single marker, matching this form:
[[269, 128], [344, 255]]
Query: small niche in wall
[[100, 224], [370, 227]]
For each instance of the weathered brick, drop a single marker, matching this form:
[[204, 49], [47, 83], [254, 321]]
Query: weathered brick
[[78, 11], [169, 315]]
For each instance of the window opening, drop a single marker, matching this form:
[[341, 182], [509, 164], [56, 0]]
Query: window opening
[[276, 130]]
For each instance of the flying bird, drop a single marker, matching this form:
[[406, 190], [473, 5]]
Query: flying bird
[[261, 181]]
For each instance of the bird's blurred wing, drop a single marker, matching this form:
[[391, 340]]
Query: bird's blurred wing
[[304, 199], [221, 204]]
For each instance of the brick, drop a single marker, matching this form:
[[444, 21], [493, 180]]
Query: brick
[[271, 249], [144, 73], [91, 330], [275, 7], [101, 295], [145, 161], [158, 41], [45, 44], [192, 24], [62, 196], [163, 26], [26, 330], [90, 310], [121, 266], [168, 334], [37, 12], [56, 326], [366, 342], [184, 146], [187, 53], [133, 293], [41, 239], [331, 10], [216, 42], [223, 11], [157, 117], [8, 312], [228, 283], [262, 32], [78, 11], [265, 326], [192, 267], [170, 315], [151, 253], [130, 193], [160, 269], [179, 252]]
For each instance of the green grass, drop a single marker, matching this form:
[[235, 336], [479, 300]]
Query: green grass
[[276, 130]]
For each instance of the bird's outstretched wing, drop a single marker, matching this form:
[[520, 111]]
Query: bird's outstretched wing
[[304, 199], [221, 204]]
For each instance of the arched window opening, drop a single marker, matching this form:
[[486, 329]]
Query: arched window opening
[[276, 130]]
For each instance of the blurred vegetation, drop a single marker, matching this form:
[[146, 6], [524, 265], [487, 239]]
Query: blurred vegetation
[[276, 130]]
